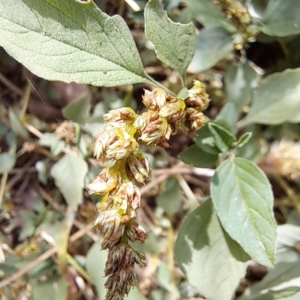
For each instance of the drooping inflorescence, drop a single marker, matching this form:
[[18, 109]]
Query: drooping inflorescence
[[118, 144]]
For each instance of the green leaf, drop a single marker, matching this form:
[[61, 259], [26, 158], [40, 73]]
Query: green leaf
[[70, 41], [256, 8], [79, 110], [135, 294], [52, 141], [197, 157], [69, 173], [281, 18], [174, 42], [240, 80], [277, 100], [243, 199], [223, 138], [212, 45], [95, 264], [14, 120], [7, 162], [205, 141], [230, 115], [170, 199], [183, 93], [243, 140], [202, 253], [208, 14], [52, 288]]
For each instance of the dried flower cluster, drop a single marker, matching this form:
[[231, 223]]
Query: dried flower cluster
[[118, 143]]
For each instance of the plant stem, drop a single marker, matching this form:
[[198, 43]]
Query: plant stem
[[26, 99], [171, 261], [289, 192], [157, 84]]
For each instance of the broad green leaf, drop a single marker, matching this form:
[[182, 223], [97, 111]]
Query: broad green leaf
[[51, 140], [95, 264], [171, 197], [212, 45], [79, 110], [281, 18], [223, 138], [70, 41], [230, 115], [202, 253], [208, 14], [69, 173], [174, 42], [240, 80], [205, 140], [243, 199], [197, 157], [277, 100], [7, 162]]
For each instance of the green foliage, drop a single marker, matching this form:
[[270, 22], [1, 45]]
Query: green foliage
[[71, 42], [197, 157], [203, 253], [281, 18], [208, 14], [79, 110], [235, 188], [170, 199], [69, 173], [212, 45], [240, 80], [276, 99], [7, 162], [174, 43], [74, 41]]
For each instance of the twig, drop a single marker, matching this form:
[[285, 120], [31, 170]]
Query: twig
[[42, 258], [187, 190], [289, 192], [10, 85], [49, 199]]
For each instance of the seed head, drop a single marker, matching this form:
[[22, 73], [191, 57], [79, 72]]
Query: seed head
[[130, 194], [193, 120], [138, 168], [109, 223], [114, 144], [198, 97], [173, 107], [106, 181], [156, 99], [154, 130], [120, 118], [136, 232]]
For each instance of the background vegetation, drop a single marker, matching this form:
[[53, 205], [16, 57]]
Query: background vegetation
[[247, 54]]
